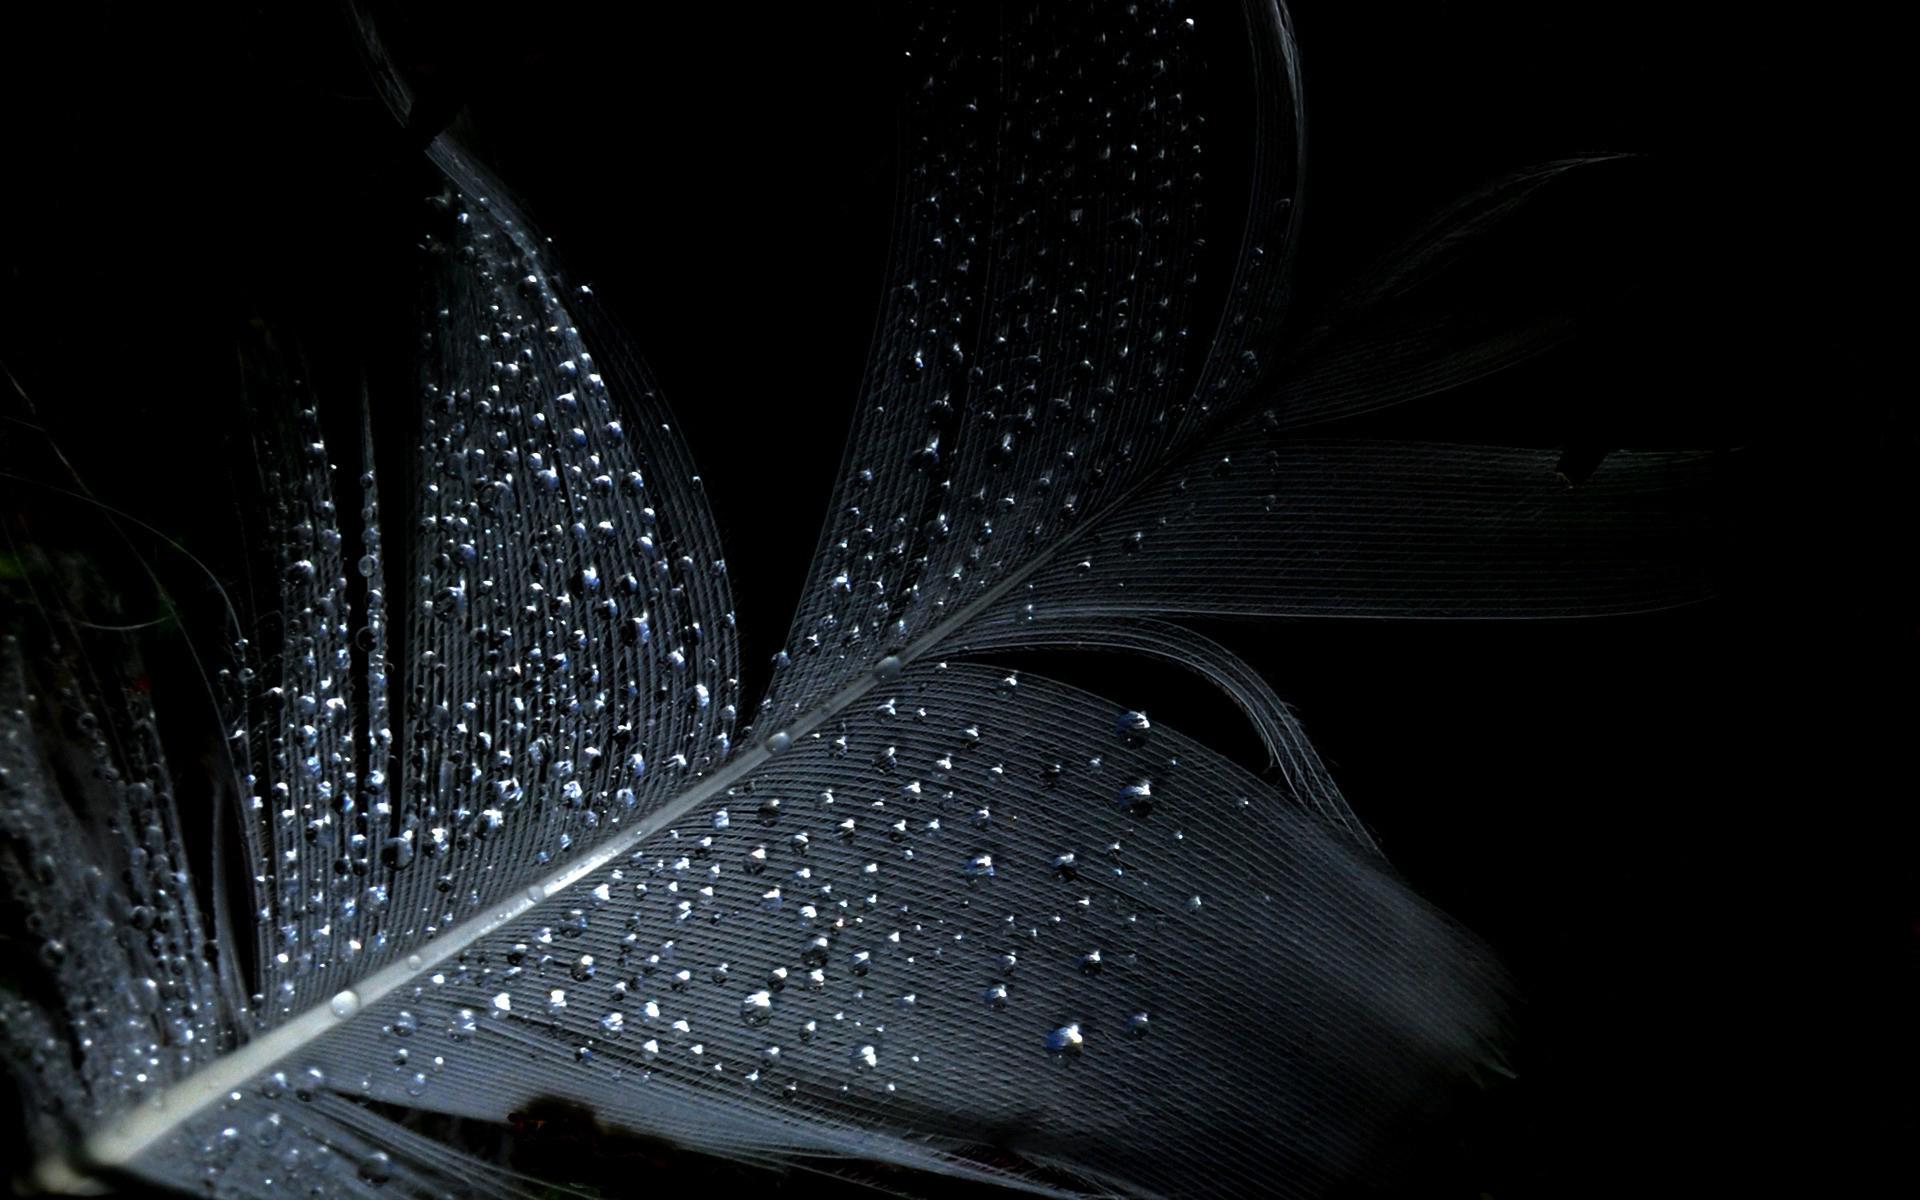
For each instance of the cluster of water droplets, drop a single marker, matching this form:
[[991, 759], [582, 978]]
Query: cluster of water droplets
[[967, 887], [98, 888], [1036, 350], [927, 893], [567, 657]]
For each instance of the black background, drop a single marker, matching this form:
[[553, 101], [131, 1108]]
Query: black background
[[1686, 832]]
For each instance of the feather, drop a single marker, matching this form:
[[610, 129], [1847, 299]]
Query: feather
[[504, 837]]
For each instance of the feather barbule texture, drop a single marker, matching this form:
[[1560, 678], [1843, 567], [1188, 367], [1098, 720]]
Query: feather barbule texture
[[504, 832]]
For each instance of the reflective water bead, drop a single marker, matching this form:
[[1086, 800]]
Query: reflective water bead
[[1066, 1039]]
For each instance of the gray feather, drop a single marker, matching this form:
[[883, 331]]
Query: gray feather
[[505, 839]]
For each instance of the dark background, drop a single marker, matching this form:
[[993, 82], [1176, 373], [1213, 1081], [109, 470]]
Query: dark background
[[1688, 833]]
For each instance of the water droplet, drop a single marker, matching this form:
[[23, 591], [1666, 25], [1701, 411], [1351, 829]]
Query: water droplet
[[779, 741], [757, 1008], [1133, 727], [344, 1004], [266, 1131], [377, 1169], [312, 1081], [1066, 1039]]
